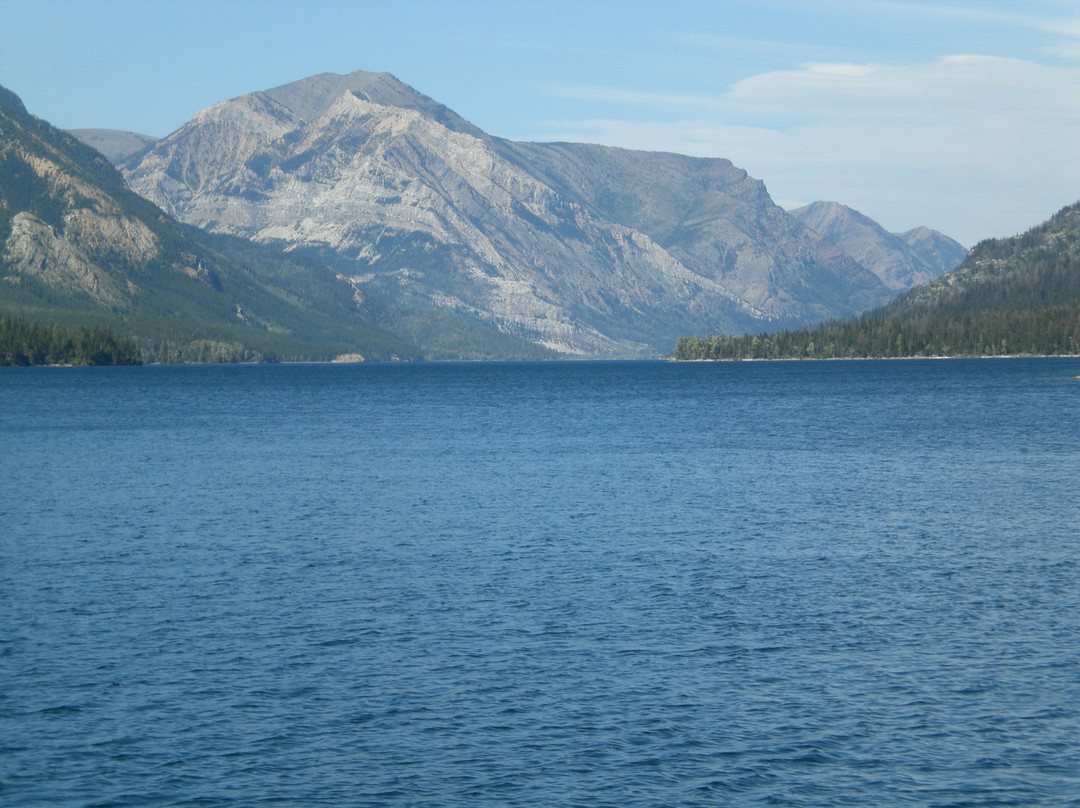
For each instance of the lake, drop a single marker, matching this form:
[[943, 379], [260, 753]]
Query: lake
[[541, 584]]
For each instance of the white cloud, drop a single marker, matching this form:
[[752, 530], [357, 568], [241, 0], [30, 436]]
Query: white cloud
[[1044, 16], [1069, 30], [1062, 27], [1054, 18], [1066, 50], [955, 84]]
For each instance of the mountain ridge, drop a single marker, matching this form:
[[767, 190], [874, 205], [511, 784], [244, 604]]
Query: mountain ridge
[[116, 144], [310, 98], [588, 250]]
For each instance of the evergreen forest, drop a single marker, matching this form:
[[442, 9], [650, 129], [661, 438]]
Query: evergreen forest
[[26, 343]]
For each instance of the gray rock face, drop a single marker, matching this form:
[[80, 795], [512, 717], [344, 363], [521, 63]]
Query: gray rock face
[[587, 250], [899, 260]]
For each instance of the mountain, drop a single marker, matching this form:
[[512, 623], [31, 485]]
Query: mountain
[[939, 251], [1010, 296], [115, 144], [1038, 270], [899, 260], [586, 250], [78, 248]]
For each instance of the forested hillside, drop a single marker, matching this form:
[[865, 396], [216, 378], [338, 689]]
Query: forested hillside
[[1012, 296], [25, 343]]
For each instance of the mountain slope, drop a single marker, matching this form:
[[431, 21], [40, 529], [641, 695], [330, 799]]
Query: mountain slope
[[940, 252], [587, 250], [1010, 296], [714, 219], [116, 145], [901, 261], [1036, 270], [76, 246]]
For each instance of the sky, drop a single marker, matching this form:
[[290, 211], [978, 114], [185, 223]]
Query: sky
[[960, 115]]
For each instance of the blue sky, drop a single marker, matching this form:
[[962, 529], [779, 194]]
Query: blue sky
[[961, 115]]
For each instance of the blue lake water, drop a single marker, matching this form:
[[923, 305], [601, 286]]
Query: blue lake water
[[541, 584]]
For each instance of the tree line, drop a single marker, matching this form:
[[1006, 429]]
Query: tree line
[[1044, 332], [26, 343]]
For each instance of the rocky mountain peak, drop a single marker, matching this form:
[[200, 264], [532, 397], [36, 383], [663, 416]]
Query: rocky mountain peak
[[833, 218], [310, 98], [75, 243], [900, 260]]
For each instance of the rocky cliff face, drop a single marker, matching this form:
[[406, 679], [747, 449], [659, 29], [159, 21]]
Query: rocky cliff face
[[587, 250]]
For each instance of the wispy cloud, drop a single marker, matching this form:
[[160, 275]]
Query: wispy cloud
[[1058, 19], [964, 12], [633, 98], [749, 47], [953, 85], [1068, 47], [1062, 27], [959, 84]]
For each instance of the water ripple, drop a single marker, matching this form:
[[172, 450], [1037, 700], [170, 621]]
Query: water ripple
[[594, 584]]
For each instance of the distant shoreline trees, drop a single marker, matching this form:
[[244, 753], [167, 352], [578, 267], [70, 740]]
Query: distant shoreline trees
[[25, 343], [1043, 332]]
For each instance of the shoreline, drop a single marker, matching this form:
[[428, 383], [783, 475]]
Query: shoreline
[[878, 358]]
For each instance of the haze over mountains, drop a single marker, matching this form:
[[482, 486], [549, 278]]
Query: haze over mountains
[[450, 242], [116, 145], [587, 250]]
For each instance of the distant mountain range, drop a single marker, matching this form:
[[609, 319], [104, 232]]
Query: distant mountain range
[[113, 143], [587, 250], [408, 231], [1012, 296]]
